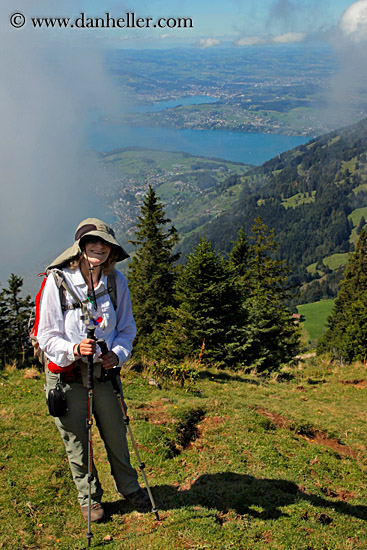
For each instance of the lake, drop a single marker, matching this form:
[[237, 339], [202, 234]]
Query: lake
[[249, 148], [170, 104]]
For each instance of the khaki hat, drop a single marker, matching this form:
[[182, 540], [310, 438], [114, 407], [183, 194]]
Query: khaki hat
[[94, 228]]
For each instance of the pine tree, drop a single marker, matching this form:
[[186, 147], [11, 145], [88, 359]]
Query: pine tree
[[207, 308], [346, 334], [239, 262], [4, 329], [151, 272], [362, 223], [15, 314], [240, 254], [270, 336]]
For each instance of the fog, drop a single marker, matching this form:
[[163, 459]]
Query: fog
[[51, 82], [348, 88]]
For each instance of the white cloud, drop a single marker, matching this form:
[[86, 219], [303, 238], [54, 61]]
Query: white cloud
[[353, 23], [285, 38], [289, 37], [347, 86], [249, 41], [207, 43]]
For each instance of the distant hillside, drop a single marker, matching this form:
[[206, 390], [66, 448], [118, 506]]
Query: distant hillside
[[193, 189], [315, 198]]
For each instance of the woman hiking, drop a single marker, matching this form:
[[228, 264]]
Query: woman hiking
[[96, 294]]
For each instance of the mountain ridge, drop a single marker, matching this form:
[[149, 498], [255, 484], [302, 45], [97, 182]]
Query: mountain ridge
[[309, 196]]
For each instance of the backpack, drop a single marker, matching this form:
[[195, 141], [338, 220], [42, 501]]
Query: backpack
[[63, 287]]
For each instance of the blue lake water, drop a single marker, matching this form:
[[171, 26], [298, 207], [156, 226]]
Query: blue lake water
[[249, 148], [161, 105]]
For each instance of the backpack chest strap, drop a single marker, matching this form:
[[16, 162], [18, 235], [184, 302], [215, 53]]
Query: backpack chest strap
[[79, 303]]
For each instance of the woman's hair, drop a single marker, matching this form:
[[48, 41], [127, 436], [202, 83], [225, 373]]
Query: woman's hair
[[111, 261]]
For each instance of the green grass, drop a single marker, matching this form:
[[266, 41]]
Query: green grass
[[356, 216], [258, 475], [315, 315], [298, 199], [336, 260], [361, 187], [311, 268]]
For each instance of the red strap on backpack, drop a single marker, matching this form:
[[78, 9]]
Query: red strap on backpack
[[55, 369], [37, 304]]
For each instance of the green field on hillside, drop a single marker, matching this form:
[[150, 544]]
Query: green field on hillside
[[315, 316], [355, 217], [239, 462]]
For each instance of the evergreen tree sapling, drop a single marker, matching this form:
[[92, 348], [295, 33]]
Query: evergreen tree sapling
[[346, 334], [151, 272], [206, 311], [270, 337], [4, 328], [15, 312]]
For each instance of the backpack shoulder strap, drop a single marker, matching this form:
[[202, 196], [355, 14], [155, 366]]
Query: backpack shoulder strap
[[112, 288], [61, 284]]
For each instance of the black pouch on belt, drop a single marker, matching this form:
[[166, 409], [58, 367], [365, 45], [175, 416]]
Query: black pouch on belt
[[56, 401]]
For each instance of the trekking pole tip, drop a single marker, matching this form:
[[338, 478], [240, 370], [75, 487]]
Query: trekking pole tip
[[89, 536], [155, 511]]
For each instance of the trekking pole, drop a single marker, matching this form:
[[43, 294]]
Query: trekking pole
[[113, 377], [90, 334]]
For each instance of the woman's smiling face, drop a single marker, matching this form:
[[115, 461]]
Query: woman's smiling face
[[96, 251]]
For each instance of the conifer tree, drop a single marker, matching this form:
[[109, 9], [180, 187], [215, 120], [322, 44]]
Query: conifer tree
[[240, 254], [15, 312], [346, 334], [207, 308], [151, 271], [270, 336], [239, 261], [4, 341]]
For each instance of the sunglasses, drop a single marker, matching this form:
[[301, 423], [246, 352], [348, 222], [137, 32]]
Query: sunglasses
[[90, 239]]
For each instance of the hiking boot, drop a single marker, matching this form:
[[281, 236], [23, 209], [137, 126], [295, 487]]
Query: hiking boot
[[96, 512], [139, 498]]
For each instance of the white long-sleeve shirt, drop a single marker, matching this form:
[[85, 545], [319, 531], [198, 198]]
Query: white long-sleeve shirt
[[59, 331]]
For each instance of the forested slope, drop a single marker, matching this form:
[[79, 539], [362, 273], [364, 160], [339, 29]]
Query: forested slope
[[313, 196]]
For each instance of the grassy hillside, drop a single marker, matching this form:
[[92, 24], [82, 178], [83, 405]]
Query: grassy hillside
[[314, 197], [315, 316], [193, 189], [239, 462]]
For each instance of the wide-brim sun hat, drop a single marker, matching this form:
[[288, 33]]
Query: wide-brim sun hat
[[92, 227]]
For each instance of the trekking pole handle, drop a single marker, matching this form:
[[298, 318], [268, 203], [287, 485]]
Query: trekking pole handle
[[103, 346]]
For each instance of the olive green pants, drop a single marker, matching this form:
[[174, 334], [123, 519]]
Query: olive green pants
[[74, 432]]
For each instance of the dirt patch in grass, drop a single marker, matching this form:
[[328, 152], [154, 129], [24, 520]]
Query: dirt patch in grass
[[207, 424], [339, 494], [155, 413], [361, 384], [210, 422], [311, 435]]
